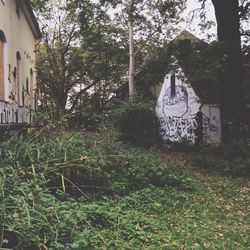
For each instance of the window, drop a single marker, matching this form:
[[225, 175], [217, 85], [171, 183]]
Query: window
[[31, 88], [27, 85], [173, 88], [18, 7], [2, 64], [18, 87]]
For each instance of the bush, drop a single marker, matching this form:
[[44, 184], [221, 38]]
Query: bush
[[230, 159], [135, 121], [87, 162], [236, 167]]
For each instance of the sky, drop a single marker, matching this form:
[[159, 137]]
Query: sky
[[193, 7]]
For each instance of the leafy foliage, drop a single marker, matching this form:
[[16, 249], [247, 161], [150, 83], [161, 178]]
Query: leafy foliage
[[230, 159], [71, 59], [107, 196], [148, 24], [135, 121]]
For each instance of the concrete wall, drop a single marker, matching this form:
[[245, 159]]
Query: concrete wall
[[212, 127], [20, 38]]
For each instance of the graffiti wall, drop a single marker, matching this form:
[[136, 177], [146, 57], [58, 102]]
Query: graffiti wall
[[176, 112], [179, 114]]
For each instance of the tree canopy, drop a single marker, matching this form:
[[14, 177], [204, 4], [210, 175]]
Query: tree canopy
[[228, 16], [77, 52], [88, 45]]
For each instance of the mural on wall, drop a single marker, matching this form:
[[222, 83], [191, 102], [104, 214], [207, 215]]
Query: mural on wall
[[182, 117], [176, 110]]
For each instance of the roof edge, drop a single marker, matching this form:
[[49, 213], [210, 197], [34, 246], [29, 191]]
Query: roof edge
[[30, 16]]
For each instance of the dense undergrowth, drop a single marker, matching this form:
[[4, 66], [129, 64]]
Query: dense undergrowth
[[78, 190], [57, 187], [232, 158]]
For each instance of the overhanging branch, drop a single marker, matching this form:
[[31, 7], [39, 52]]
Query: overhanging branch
[[203, 3], [245, 34], [83, 91], [243, 10]]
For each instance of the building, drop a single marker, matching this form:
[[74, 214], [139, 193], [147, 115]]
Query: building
[[184, 110], [19, 34], [182, 116]]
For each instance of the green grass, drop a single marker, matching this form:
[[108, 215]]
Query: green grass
[[215, 217], [139, 198]]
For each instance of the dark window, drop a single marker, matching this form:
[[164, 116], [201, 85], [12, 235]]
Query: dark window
[[18, 55], [27, 85], [18, 87], [2, 37], [2, 64], [18, 7], [173, 92], [32, 96]]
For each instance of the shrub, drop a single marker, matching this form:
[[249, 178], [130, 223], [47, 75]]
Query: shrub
[[41, 119], [135, 121], [236, 167], [95, 162], [231, 159]]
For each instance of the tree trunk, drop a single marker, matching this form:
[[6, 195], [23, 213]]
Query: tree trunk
[[228, 31], [131, 60]]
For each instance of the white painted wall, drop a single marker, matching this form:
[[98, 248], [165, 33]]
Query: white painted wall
[[178, 115], [19, 38]]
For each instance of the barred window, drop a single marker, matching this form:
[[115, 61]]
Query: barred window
[[2, 64]]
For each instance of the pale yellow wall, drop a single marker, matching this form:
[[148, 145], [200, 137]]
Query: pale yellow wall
[[19, 38]]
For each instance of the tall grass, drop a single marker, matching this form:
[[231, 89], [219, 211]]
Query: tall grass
[[50, 181]]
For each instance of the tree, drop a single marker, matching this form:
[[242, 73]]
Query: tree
[[148, 23], [71, 62], [228, 17]]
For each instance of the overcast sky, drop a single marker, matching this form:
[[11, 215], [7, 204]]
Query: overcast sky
[[193, 26]]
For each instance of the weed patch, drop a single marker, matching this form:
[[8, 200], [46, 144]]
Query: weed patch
[[228, 159], [74, 191]]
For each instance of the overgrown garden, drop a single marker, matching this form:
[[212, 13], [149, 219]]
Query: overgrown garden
[[82, 190], [91, 172]]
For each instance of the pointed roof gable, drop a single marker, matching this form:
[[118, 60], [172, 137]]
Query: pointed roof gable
[[186, 35]]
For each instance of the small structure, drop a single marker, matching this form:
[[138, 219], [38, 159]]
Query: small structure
[[183, 115], [19, 33]]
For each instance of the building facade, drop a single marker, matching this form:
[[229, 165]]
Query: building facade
[[182, 117], [19, 34], [187, 111]]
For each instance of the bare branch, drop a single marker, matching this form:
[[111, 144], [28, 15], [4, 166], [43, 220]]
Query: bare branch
[[245, 34], [70, 37], [243, 10], [79, 94], [193, 12], [203, 3]]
